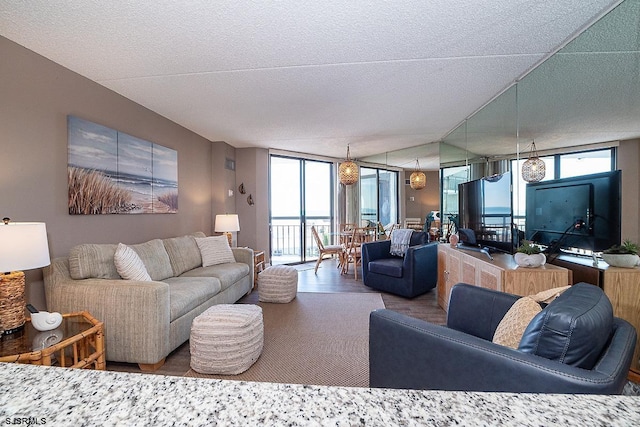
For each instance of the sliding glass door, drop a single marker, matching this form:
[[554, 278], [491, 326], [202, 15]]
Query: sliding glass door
[[378, 196], [301, 196]]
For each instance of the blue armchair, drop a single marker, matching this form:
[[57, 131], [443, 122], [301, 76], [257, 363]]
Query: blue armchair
[[414, 274], [574, 345]]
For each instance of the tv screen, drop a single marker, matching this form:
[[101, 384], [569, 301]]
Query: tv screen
[[485, 208], [580, 212]]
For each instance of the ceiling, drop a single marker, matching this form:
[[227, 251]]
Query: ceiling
[[308, 77]]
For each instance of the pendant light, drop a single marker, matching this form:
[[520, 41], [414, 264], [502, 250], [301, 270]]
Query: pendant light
[[348, 171], [418, 180], [533, 169]]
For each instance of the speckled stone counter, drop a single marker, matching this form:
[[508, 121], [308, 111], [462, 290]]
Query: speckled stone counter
[[60, 397]]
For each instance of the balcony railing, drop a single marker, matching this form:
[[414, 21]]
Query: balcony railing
[[286, 245]]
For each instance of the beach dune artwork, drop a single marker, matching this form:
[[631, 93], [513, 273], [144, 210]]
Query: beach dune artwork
[[111, 172]]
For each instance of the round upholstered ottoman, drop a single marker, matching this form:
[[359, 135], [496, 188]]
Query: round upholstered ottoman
[[226, 339], [278, 283]]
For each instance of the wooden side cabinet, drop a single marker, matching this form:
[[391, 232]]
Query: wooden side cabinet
[[449, 273], [500, 274], [622, 287]]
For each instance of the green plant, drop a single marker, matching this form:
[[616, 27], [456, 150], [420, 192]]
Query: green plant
[[528, 248], [627, 247]]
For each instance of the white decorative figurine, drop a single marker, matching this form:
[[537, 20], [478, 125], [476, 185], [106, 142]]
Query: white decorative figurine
[[43, 320]]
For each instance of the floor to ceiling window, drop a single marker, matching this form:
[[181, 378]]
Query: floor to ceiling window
[[301, 197], [378, 195]]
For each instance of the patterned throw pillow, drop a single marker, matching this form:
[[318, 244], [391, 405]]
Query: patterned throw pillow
[[512, 326], [129, 264], [215, 250]]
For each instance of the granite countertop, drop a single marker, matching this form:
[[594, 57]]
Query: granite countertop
[[58, 396]]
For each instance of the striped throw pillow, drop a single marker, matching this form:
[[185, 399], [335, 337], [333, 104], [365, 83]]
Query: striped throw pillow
[[215, 250], [129, 264]]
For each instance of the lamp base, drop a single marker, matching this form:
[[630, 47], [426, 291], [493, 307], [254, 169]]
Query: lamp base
[[229, 237], [12, 302]]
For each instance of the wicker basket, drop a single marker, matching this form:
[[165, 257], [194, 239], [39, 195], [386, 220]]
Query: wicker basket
[[12, 301]]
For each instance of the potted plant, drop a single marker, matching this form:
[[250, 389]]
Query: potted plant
[[624, 255], [529, 255]]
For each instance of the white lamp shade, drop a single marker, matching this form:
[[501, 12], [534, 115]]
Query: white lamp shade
[[227, 223], [23, 246]]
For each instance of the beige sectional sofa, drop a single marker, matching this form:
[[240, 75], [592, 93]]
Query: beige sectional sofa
[[145, 320]]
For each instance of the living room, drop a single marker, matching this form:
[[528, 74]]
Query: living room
[[38, 95]]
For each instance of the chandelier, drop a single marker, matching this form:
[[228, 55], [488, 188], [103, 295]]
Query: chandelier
[[418, 180], [348, 171], [533, 169]]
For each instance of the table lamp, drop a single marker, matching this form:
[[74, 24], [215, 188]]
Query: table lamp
[[227, 223], [23, 246]]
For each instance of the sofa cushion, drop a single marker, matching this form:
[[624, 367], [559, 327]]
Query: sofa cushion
[[187, 293], [215, 250], [228, 273], [155, 259], [387, 266], [184, 253], [93, 261], [572, 329], [129, 264]]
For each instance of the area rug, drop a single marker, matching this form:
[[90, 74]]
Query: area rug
[[318, 338], [306, 266]]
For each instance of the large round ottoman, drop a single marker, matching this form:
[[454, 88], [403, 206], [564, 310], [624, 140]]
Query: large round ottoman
[[226, 339], [278, 283]]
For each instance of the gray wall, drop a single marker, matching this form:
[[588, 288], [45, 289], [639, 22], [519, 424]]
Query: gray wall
[[629, 163], [36, 95], [425, 200], [253, 170]]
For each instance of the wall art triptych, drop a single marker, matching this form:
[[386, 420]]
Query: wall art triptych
[[111, 172]]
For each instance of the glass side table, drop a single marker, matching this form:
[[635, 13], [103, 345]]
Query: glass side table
[[77, 343]]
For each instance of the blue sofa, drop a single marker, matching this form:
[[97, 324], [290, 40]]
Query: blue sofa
[[574, 345]]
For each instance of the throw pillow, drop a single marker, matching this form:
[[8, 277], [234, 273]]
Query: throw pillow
[[515, 321], [129, 264], [93, 261], [512, 326], [215, 250]]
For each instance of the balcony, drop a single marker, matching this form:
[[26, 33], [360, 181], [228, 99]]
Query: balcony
[[286, 241]]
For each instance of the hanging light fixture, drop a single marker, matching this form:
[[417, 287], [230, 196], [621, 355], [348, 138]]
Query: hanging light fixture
[[348, 171], [418, 180], [533, 169]]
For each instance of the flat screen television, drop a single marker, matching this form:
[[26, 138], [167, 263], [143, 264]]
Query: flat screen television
[[485, 207], [580, 212]]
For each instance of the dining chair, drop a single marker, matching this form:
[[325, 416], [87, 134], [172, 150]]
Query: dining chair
[[352, 251], [324, 250], [387, 229], [368, 233], [347, 227]]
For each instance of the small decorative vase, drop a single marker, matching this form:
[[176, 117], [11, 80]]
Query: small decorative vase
[[529, 261], [621, 260], [45, 321], [453, 240]]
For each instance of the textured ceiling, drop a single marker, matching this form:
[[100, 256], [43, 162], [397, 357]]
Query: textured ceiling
[[309, 77]]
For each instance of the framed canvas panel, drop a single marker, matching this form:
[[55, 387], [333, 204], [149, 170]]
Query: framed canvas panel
[[111, 172]]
